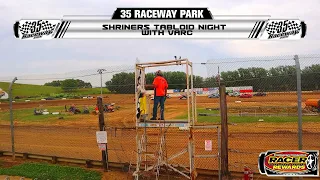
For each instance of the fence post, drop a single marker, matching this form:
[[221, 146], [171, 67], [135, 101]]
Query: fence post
[[224, 131], [102, 128], [11, 118], [299, 93]]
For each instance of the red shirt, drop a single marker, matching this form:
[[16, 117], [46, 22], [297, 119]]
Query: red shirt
[[160, 86]]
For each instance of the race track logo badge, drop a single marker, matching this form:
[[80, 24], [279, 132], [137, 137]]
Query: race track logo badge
[[283, 28], [35, 29], [289, 163]]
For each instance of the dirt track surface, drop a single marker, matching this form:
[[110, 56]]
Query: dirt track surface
[[174, 107], [129, 99], [13, 178], [77, 138], [246, 142]]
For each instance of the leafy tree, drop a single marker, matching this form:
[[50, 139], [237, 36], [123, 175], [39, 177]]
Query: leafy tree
[[210, 82], [69, 85], [81, 84], [176, 79], [149, 79], [198, 81], [53, 83], [310, 77], [282, 78], [122, 83]]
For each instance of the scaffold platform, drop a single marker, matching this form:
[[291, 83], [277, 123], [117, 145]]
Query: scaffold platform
[[163, 123]]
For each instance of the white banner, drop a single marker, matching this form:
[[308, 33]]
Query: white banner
[[208, 145], [217, 28], [101, 137]]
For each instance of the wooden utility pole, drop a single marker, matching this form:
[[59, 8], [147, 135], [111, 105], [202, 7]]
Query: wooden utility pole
[[102, 128], [224, 130]]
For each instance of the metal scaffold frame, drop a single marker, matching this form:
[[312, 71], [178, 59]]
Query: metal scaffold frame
[[143, 124]]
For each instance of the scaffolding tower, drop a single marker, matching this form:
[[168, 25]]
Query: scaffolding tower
[[152, 155]]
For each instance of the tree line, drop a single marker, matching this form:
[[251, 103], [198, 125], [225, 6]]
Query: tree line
[[281, 78], [70, 85], [124, 83]]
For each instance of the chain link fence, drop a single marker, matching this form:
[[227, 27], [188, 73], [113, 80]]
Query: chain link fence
[[56, 115], [262, 105], [207, 148], [60, 118]]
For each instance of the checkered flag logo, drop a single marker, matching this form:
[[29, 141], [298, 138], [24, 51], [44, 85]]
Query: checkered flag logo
[[273, 26], [26, 27]]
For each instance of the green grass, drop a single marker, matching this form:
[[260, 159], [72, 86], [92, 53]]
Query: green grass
[[45, 171], [26, 115], [40, 91], [248, 119], [29, 90], [91, 91], [208, 111]]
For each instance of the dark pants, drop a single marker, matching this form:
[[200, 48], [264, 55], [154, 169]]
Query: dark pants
[[157, 100]]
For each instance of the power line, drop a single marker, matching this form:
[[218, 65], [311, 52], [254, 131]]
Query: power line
[[73, 77], [253, 59], [242, 61], [88, 75], [266, 77]]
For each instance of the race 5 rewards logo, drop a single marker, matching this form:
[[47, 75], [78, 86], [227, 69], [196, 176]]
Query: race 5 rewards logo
[[284, 29], [289, 163], [35, 29]]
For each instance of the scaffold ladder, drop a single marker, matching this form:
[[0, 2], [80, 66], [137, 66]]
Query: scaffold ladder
[[151, 167]]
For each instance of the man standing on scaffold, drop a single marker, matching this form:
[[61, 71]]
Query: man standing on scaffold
[[160, 86]]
